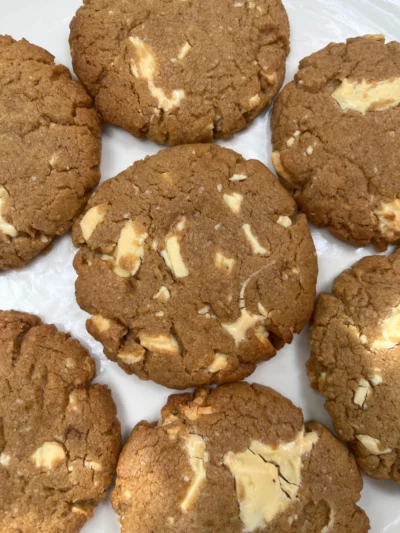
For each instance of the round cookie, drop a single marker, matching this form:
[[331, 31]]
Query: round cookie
[[195, 266], [354, 361], [59, 435], [49, 150], [237, 458], [180, 72], [337, 143]]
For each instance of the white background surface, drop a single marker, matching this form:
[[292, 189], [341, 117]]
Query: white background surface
[[46, 286]]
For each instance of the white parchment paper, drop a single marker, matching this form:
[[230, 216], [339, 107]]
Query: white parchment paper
[[46, 286]]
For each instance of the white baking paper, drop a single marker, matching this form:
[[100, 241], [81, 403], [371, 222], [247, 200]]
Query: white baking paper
[[46, 286]]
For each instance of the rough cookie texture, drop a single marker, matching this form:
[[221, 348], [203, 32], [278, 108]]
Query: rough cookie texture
[[49, 150], [236, 459], [337, 143], [354, 361], [195, 266], [180, 72], [59, 435]]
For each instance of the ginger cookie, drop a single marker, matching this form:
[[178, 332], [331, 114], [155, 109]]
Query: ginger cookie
[[180, 72], [337, 142], [236, 459], [355, 344], [195, 266], [49, 150], [59, 435]]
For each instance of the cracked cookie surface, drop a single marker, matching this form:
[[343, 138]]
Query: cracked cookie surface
[[195, 266], [49, 150], [355, 344], [240, 459], [59, 435], [180, 72], [337, 143]]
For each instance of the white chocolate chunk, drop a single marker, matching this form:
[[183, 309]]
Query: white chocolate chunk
[[376, 379], [262, 334], [365, 96], [290, 142], [268, 478], [223, 262], [220, 362], [100, 323], [390, 335], [184, 51], [145, 67], [93, 465], [204, 310], [133, 355], [238, 330], [160, 343], [388, 214], [196, 450], [163, 294], [233, 201], [310, 150], [373, 445], [362, 392], [5, 227], [49, 455], [4, 459], [253, 241], [238, 177], [254, 101], [92, 219], [129, 251], [78, 510], [284, 221], [172, 253]]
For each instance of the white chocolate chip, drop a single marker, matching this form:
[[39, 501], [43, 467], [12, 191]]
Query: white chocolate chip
[[238, 177], [262, 334], [219, 187], [254, 101], [290, 142], [196, 450], [129, 251], [238, 329], [172, 253], [204, 310], [93, 465], [388, 215], [132, 355], [4, 459], [390, 335], [78, 510], [253, 241], [373, 445], [310, 150], [277, 162], [5, 227], [376, 379], [159, 314], [160, 343], [49, 455], [362, 392], [268, 478], [184, 51], [93, 217], [366, 96], [145, 67], [284, 221], [233, 201], [220, 362], [100, 323], [223, 262], [163, 294], [170, 520]]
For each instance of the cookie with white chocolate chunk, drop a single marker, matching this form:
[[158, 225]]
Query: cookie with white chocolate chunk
[[49, 150], [195, 266], [236, 459], [59, 435], [180, 72], [355, 344], [337, 142]]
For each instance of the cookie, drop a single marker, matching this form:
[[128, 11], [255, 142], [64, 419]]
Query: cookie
[[337, 143], [236, 459], [180, 72], [59, 435], [195, 266], [355, 352], [49, 150]]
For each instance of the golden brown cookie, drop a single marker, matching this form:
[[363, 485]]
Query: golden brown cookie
[[180, 71], [354, 361], [59, 435], [236, 459], [49, 150], [195, 266], [337, 143]]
